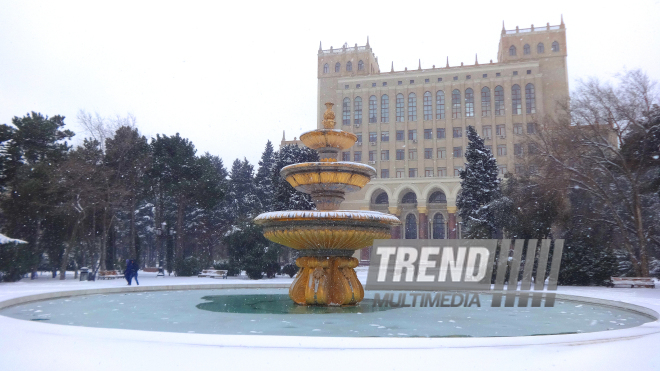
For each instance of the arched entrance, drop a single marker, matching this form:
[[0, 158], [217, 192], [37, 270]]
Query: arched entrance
[[411, 227], [438, 226]]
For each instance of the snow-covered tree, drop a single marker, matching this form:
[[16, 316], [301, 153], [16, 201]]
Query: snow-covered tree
[[285, 196], [606, 144], [263, 179], [479, 187]]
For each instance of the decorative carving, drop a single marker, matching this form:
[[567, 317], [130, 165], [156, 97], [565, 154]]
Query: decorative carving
[[327, 280], [329, 117]]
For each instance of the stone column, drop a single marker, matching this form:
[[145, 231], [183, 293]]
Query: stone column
[[395, 230], [451, 225], [423, 222]]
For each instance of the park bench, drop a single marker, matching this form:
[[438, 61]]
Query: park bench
[[632, 282], [150, 269], [109, 275], [213, 273]]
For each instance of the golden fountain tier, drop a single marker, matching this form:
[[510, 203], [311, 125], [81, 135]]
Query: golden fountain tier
[[327, 182], [343, 230], [328, 142], [327, 237]]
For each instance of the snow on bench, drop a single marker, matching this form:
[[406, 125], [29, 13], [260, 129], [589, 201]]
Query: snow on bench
[[213, 273], [109, 275], [632, 282]]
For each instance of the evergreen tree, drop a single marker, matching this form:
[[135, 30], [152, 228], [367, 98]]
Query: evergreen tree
[[285, 197], [243, 203], [263, 179], [479, 187], [32, 152]]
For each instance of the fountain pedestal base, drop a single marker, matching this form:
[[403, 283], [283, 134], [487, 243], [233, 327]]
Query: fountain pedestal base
[[326, 280]]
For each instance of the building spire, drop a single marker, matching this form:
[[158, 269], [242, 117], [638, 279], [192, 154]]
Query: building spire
[[392, 66], [503, 29], [420, 65], [283, 136], [447, 62], [562, 21], [320, 48], [476, 59], [367, 41]]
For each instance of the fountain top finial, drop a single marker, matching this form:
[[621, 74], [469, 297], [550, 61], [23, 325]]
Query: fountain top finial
[[329, 117]]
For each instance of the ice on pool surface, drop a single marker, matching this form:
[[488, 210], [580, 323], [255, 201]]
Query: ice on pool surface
[[271, 312]]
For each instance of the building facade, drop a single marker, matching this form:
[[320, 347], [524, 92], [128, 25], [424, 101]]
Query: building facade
[[411, 124]]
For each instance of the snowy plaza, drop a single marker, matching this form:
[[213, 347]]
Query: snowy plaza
[[33, 345]]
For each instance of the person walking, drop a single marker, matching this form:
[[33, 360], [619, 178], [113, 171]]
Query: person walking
[[134, 271], [127, 272]]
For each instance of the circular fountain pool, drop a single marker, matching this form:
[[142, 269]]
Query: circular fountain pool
[[271, 312]]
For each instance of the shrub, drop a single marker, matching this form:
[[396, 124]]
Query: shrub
[[187, 267], [290, 269]]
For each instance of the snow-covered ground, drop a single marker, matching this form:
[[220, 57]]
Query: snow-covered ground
[[26, 345]]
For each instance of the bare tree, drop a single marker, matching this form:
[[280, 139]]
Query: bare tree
[[602, 143]]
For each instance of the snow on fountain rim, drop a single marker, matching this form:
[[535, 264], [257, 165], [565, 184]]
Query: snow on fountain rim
[[331, 164], [347, 133], [338, 214]]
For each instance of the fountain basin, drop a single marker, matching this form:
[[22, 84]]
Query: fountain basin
[[268, 311], [326, 230]]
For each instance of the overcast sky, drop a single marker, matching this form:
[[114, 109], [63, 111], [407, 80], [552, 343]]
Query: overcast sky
[[200, 68]]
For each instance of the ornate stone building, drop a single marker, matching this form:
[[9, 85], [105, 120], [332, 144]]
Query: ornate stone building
[[411, 124]]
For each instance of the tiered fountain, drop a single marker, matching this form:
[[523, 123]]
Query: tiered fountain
[[327, 237]]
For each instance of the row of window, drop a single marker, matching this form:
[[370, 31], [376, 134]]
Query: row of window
[[457, 132], [412, 82], [437, 197], [441, 153], [457, 106], [441, 172], [349, 67], [540, 49]]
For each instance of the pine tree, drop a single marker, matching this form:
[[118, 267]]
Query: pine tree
[[243, 203], [479, 187], [285, 197], [263, 179]]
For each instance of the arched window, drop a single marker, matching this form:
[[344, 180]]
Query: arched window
[[346, 111], [373, 107], [409, 198], [512, 51], [349, 66], [428, 107], [555, 46], [412, 107], [456, 104], [440, 105], [382, 199], [358, 111], [385, 108], [399, 108], [469, 102], [438, 227], [530, 99], [485, 101], [325, 68], [540, 48], [516, 100], [526, 49], [499, 101], [360, 66], [337, 67], [438, 197], [411, 227]]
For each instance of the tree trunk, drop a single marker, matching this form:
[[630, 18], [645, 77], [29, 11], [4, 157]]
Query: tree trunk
[[134, 252], [179, 228], [67, 251]]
